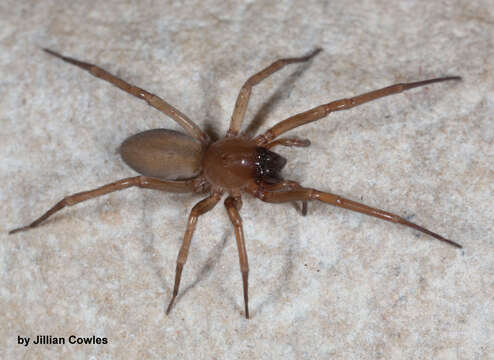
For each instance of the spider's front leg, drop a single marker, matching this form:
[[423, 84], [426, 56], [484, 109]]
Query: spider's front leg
[[284, 185], [155, 101], [305, 194], [233, 206], [322, 111]]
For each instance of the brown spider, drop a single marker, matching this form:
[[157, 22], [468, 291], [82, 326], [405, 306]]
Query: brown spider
[[175, 162]]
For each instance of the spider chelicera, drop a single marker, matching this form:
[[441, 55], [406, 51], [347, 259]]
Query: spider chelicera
[[175, 162]]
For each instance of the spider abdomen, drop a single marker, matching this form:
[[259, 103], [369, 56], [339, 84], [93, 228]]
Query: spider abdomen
[[163, 154]]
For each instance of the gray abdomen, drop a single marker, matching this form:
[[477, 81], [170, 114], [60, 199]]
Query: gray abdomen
[[164, 154]]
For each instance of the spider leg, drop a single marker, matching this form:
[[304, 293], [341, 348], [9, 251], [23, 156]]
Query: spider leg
[[288, 142], [342, 104], [336, 200], [232, 206], [245, 91], [284, 185], [189, 126], [200, 208], [139, 181]]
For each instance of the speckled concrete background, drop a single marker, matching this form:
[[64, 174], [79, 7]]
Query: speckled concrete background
[[333, 285]]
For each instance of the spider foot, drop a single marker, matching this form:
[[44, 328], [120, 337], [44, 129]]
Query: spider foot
[[170, 304], [19, 229]]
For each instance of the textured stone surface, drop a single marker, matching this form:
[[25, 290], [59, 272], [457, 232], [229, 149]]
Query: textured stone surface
[[332, 285]]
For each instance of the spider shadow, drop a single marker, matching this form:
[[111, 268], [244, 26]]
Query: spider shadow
[[148, 249], [211, 105], [283, 91], [147, 242], [207, 268], [274, 297]]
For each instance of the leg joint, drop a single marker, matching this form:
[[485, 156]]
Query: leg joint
[[260, 194], [236, 220], [68, 201]]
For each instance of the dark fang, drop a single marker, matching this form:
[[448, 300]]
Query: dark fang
[[268, 166]]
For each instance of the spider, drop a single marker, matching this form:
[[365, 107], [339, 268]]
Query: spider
[[175, 162]]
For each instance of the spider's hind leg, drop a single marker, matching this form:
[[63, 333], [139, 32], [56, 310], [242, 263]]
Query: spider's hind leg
[[155, 101], [138, 181]]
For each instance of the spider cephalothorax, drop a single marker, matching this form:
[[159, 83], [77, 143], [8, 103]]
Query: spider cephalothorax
[[233, 163], [176, 162]]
